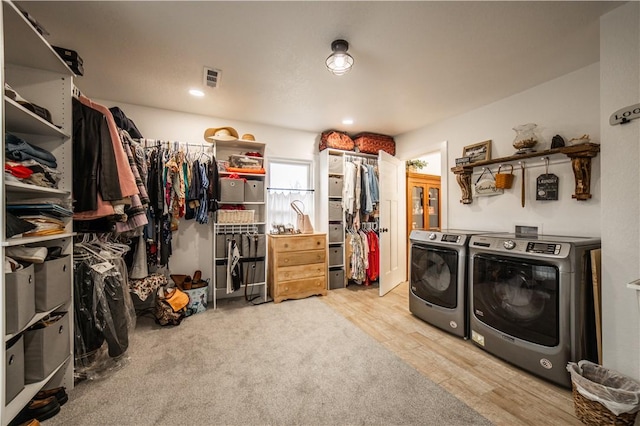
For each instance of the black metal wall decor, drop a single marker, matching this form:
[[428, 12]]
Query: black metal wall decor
[[547, 187]]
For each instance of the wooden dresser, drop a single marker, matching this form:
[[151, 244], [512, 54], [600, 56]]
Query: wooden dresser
[[297, 266]]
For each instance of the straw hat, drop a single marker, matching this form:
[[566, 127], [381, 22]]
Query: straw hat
[[248, 137], [220, 134]]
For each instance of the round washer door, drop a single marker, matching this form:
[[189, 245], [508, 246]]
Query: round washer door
[[434, 275]]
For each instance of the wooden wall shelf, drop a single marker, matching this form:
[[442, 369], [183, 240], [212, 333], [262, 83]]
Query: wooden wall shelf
[[580, 156]]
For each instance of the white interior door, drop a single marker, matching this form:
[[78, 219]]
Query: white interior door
[[392, 231]]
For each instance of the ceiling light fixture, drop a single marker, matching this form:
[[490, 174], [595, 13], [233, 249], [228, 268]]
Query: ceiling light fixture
[[347, 121], [196, 92], [339, 62]]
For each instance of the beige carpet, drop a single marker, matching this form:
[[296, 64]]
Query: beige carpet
[[293, 363]]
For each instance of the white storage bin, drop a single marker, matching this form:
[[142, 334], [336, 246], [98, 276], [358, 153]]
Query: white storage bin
[[14, 368], [335, 186], [336, 233], [254, 191], [231, 190], [53, 286], [336, 164], [19, 293], [235, 216], [336, 278], [335, 256], [221, 276], [253, 272], [245, 162], [45, 349], [335, 211]]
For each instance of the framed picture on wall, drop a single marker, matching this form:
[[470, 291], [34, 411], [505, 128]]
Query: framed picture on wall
[[478, 152]]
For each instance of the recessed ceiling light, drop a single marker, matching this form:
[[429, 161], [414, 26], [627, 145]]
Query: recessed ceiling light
[[196, 92], [347, 121]]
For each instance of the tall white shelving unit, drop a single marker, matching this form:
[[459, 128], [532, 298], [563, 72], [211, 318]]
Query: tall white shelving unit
[[226, 227], [33, 69], [332, 216]]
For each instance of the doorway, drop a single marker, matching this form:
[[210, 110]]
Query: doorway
[[426, 192]]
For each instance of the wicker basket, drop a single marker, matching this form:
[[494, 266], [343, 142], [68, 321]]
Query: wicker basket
[[593, 413], [504, 180], [235, 216]]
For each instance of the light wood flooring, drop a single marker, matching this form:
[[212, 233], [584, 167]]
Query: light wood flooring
[[502, 393]]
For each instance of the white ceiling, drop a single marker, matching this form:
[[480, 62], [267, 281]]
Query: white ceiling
[[415, 62]]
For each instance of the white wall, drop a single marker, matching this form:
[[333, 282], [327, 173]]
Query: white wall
[[568, 106], [192, 243], [433, 166], [620, 87]]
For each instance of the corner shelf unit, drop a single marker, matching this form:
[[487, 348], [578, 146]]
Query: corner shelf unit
[[580, 155], [250, 235], [33, 69]]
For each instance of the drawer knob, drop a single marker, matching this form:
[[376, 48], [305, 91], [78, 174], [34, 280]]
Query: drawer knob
[[30, 279], [60, 329], [64, 268], [11, 359]]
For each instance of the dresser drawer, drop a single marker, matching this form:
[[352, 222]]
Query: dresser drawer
[[294, 288], [307, 257], [302, 242], [287, 273]]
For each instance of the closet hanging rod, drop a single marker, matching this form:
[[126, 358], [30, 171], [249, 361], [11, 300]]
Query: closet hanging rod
[[167, 144], [290, 189]]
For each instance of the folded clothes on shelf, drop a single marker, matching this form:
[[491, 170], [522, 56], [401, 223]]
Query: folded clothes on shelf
[[18, 149], [52, 209]]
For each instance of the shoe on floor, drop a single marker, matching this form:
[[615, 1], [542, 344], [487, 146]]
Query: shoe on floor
[[59, 393], [39, 409]]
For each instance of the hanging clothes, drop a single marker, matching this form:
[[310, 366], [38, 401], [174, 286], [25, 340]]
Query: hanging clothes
[[373, 270], [234, 269], [103, 309], [203, 207], [94, 164], [124, 174]]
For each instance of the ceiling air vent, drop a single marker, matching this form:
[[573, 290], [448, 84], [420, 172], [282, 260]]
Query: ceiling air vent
[[212, 77]]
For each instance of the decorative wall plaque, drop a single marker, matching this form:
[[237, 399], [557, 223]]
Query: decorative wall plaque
[[547, 187]]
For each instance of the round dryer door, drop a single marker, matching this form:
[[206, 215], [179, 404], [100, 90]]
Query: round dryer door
[[520, 297], [434, 275], [517, 297]]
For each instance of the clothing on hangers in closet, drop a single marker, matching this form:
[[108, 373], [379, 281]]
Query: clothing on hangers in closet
[[104, 312]]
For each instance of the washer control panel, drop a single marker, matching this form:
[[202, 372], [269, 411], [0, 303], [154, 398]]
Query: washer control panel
[[545, 248], [450, 238]]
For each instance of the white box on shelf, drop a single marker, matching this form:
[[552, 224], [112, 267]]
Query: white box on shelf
[[20, 305], [231, 190]]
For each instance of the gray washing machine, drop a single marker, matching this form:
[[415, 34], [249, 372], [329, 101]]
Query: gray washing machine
[[531, 301], [438, 278]]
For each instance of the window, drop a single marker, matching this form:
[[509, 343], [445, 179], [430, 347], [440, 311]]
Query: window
[[289, 180]]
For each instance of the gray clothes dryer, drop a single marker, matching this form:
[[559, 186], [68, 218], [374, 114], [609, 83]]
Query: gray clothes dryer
[[531, 301]]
